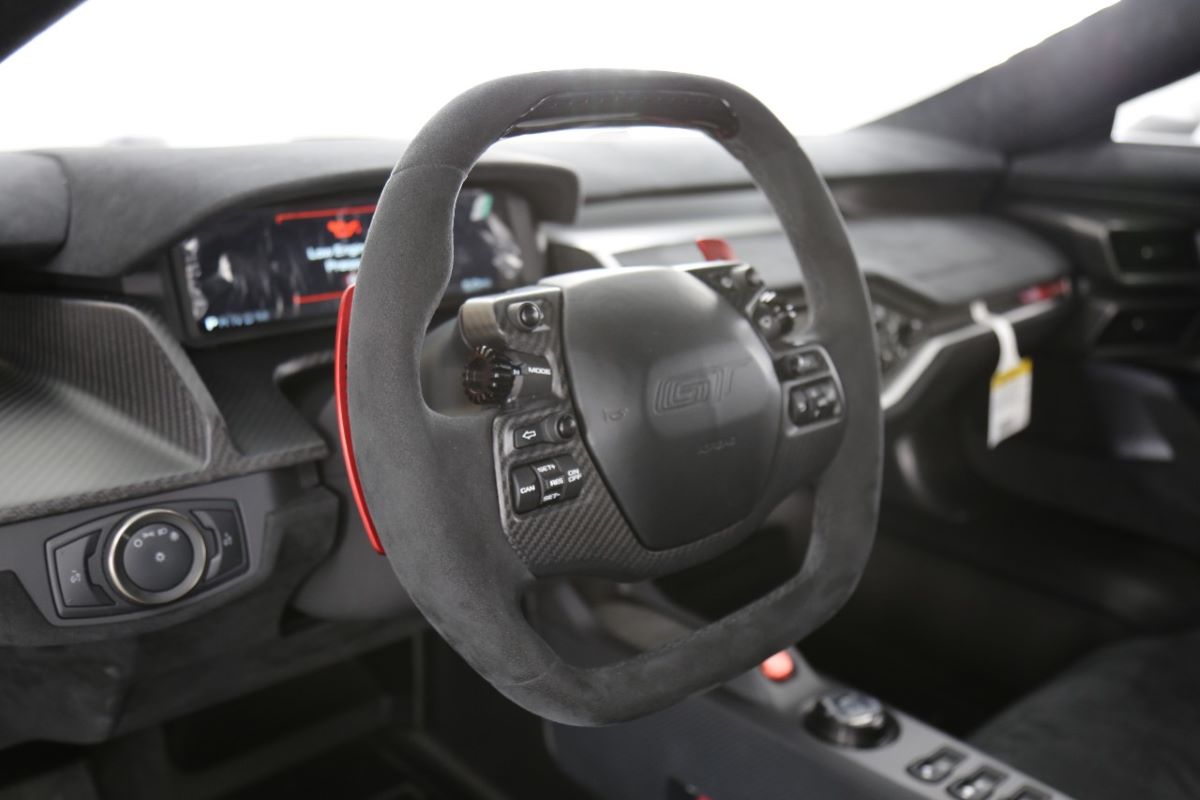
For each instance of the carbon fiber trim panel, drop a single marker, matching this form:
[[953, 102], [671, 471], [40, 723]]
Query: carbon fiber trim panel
[[98, 403]]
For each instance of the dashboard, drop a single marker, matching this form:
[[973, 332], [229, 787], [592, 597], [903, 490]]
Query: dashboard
[[290, 263], [166, 364]]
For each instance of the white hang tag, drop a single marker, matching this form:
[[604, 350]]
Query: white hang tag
[[1010, 401]]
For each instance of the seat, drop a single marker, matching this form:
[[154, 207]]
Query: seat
[[1122, 723]]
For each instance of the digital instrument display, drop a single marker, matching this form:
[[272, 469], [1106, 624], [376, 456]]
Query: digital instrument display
[[288, 263]]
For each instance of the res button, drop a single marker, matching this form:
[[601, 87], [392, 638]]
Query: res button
[[552, 481]]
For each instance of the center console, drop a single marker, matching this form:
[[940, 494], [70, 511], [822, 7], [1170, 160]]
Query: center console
[[782, 730], [800, 736]]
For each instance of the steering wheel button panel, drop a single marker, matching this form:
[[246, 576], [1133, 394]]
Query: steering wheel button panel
[[815, 402], [545, 483]]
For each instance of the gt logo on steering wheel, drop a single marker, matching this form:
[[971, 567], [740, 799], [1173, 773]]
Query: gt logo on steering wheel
[[710, 385]]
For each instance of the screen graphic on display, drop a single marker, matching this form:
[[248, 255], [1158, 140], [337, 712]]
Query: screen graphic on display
[[290, 263]]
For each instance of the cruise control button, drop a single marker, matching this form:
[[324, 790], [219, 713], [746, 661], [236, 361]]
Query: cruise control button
[[798, 365], [799, 409], [573, 476], [551, 481], [823, 399], [526, 493]]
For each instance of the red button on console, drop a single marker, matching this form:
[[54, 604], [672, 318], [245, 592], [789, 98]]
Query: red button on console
[[778, 667]]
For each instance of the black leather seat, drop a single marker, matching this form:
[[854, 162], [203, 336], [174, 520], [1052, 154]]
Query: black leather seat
[[1123, 723]]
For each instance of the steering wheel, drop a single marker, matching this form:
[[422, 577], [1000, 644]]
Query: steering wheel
[[695, 416]]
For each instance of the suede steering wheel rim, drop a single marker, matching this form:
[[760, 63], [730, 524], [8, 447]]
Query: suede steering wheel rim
[[437, 483]]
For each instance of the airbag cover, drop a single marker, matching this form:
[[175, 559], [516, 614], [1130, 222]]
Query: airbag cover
[[679, 399]]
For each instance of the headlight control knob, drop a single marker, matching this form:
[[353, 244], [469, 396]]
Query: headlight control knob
[[488, 377], [155, 556]]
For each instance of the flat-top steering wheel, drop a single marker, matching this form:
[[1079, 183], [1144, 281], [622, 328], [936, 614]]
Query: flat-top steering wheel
[[694, 417]]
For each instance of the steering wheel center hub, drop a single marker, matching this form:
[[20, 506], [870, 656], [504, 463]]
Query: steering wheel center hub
[[679, 399]]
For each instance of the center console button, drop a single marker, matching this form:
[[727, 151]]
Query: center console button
[[1029, 793], [850, 718], [778, 668], [979, 785], [937, 767], [525, 489]]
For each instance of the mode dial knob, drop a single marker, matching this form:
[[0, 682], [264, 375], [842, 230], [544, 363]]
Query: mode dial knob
[[488, 377]]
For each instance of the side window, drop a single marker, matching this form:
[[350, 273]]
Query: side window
[[1168, 115]]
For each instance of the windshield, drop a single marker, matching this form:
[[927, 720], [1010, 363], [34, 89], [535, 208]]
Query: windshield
[[220, 72]]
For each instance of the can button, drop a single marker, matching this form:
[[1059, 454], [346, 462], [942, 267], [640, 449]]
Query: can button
[[526, 493]]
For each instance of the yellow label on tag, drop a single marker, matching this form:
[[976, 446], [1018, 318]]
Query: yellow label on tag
[[1021, 369]]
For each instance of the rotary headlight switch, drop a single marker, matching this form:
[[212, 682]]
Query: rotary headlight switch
[[155, 556]]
